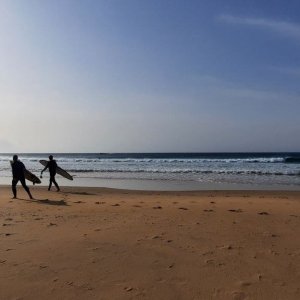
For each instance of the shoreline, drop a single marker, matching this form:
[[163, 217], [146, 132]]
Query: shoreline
[[158, 185], [102, 243], [170, 171], [254, 189], [143, 191], [109, 190]]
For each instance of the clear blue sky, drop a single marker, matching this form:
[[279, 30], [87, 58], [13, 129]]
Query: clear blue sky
[[149, 76]]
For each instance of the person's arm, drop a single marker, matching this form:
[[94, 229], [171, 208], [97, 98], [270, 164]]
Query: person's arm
[[12, 168], [45, 168], [23, 166]]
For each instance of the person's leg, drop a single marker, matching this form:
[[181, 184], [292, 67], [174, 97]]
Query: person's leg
[[57, 186], [26, 188], [50, 183], [14, 187], [55, 183]]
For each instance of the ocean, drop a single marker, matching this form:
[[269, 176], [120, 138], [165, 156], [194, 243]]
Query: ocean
[[169, 171]]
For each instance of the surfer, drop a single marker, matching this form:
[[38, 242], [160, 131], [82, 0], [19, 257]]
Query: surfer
[[18, 174], [51, 165]]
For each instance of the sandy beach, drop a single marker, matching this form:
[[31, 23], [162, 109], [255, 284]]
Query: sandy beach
[[95, 243]]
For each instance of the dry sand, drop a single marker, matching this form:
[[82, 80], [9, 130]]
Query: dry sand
[[92, 243]]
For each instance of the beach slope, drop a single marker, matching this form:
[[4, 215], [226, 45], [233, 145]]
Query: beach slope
[[93, 243]]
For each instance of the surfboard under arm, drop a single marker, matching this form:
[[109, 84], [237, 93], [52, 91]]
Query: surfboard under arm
[[30, 176], [59, 170]]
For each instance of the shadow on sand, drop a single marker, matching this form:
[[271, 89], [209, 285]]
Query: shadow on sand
[[47, 201], [80, 193], [52, 202]]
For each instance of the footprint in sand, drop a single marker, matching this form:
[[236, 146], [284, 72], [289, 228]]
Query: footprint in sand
[[238, 295], [156, 237], [136, 205], [157, 207], [8, 234], [236, 210], [208, 210], [263, 213], [259, 277], [244, 283], [78, 202], [212, 202], [95, 248], [226, 247], [52, 224], [43, 266], [209, 261], [183, 208], [117, 204]]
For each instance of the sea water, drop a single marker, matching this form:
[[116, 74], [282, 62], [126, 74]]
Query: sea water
[[169, 171]]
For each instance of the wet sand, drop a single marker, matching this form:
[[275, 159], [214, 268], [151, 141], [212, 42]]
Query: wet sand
[[93, 243]]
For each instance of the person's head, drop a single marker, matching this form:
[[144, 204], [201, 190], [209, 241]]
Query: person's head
[[15, 157], [50, 157]]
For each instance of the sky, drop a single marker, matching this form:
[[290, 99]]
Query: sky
[[149, 76]]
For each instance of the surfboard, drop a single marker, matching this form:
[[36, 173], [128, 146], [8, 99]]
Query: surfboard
[[30, 176], [59, 170]]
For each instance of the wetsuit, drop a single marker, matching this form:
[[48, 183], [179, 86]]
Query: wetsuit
[[52, 165], [18, 174]]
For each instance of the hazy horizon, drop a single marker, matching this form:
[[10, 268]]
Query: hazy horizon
[[138, 153], [135, 76]]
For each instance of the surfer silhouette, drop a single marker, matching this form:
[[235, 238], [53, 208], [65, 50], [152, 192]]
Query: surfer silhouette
[[51, 165], [18, 169]]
